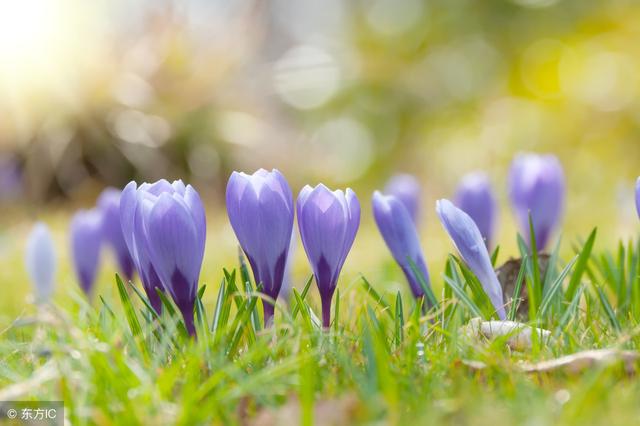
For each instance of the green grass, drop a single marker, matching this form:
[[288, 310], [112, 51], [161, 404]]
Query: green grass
[[383, 360]]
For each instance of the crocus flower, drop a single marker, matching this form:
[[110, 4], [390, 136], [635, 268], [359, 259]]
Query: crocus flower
[[86, 245], [400, 234], [11, 179], [260, 209], [136, 240], [40, 261], [468, 241], [406, 188], [537, 186], [475, 197], [109, 205], [165, 227], [328, 222], [638, 196]]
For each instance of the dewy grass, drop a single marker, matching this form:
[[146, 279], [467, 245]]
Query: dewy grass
[[381, 361]]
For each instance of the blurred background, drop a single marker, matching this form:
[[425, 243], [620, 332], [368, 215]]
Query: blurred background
[[96, 93]]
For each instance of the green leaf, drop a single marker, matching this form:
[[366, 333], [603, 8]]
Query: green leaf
[[554, 288], [304, 309], [376, 296], [399, 321], [217, 323], [305, 290], [608, 309], [581, 265], [515, 299], [129, 310], [144, 300], [464, 297], [483, 302], [201, 315], [494, 256], [535, 285], [255, 317]]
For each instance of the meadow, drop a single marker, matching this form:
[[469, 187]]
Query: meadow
[[451, 235], [385, 357]]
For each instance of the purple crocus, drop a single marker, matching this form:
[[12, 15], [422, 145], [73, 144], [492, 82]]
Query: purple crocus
[[328, 222], [638, 196], [135, 238], [11, 179], [400, 234], [260, 209], [537, 187], [40, 262], [86, 245], [406, 188], [109, 205], [475, 197], [467, 238], [165, 228]]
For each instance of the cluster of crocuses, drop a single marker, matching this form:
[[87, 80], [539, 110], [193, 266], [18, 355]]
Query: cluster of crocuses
[[160, 230]]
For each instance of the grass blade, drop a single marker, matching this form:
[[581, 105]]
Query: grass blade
[[581, 264], [376, 296]]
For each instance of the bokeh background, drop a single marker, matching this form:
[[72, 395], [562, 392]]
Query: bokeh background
[[96, 93]]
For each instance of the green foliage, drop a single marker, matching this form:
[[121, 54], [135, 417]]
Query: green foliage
[[383, 360]]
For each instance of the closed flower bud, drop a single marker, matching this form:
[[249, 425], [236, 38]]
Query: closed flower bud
[[406, 188], [467, 238], [109, 205], [86, 245], [399, 233], [40, 261], [328, 222], [475, 197], [166, 232], [260, 209], [537, 187]]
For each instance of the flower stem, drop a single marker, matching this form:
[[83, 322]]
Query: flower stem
[[326, 312], [187, 314], [268, 309]]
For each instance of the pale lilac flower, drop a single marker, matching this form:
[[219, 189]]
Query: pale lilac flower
[[537, 187], [400, 234], [41, 262], [407, 189], [86, 245], [475, 197], [109, 205], [467, 238], [260, 209], [328, 222], [165, 226]]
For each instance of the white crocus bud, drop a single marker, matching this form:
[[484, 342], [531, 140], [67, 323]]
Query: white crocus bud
[[40, 261]]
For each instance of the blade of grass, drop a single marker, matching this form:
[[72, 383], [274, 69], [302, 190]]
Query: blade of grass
[[376, 296], [216, 324], [399, 321], [464, 297], [554, 288], [129, 310], [494, 256], [581, 264], [303, 295], [608, 309], [515, 299]]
